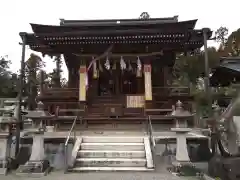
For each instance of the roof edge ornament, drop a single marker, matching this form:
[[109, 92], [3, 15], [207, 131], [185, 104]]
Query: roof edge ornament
[[175, 18], [144, 16], [61, 21], [23, 35]]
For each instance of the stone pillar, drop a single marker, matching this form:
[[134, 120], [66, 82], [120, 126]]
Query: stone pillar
[[82, 82], [181, 152], [37, 148]]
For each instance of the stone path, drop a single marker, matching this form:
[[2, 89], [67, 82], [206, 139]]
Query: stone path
[[101, 176]]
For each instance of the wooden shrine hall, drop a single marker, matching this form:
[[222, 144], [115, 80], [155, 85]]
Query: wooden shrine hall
[[119, 102], [117, 68]]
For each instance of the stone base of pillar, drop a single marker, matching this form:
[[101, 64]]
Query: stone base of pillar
[[37, 166], [182, 155]]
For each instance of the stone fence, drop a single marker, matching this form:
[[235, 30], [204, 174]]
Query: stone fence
[[6, 99]]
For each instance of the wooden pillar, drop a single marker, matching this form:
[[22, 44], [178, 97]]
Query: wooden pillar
[[148, 84], [72, 77], [117, 75], [93, 84], [82, 82], [21, 87]]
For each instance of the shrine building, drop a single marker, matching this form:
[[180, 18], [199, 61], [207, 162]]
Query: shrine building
[[120, 103], [117, 65]]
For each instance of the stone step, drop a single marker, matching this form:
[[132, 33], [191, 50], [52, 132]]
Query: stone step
[[113, 146], [76, 169], [114, 153], [113, 162], [108, 139], [110, 154]]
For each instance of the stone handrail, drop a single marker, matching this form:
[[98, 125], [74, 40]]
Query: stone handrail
[[67, 140]]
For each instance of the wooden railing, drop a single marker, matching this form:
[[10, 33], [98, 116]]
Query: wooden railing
[[163, 91], [62, 91], [171, 91]]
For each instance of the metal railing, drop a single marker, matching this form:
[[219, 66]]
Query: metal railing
[[67, 141], [150, 131]]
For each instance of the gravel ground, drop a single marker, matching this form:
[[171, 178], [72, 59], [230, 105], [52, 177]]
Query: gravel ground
[[100, 176], [160, 173]]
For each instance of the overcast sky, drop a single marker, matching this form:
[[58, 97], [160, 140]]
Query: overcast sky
[[15, 16]]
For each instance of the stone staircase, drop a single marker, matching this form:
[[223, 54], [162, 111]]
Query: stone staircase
[[111, 153]]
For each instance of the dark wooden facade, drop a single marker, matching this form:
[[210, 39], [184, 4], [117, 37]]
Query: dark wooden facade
[[154, 42]]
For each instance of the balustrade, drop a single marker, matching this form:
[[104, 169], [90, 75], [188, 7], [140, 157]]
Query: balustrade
[[171, 91]]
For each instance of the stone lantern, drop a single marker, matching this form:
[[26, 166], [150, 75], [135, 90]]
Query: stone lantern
[[181, 129], [38, 116]]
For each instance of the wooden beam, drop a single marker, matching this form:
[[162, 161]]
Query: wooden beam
[[122, 54]]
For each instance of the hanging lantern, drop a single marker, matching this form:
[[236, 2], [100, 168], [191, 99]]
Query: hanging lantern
[[107, 64], [139, 64], [139, 68], [95, 70], [122, 63]]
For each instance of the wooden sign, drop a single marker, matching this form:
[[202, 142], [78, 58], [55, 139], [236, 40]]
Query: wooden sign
[[135, 101], [148, 82], [82, 83]]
